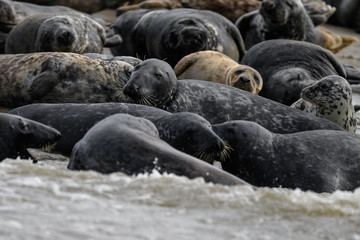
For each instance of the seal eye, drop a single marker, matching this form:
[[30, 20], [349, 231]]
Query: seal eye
[[159, 76], [290, 4]]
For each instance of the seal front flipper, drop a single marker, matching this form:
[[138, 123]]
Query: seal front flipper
[[353, 74], [318, 11], [43, 84]]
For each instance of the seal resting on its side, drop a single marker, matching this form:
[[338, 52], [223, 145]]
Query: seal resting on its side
[[18, 133], [329, 98], [319, 160], [184, 131], [216, 67], [131, 145], [153, 82], [60, 77], [173, 34]]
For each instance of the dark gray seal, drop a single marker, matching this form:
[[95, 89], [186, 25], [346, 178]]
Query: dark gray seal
[[172, 34], [347, 13], [288, 66], [184, 131], [153, 82], [131, 145], [18, 134], [60, 77], [319, 160]]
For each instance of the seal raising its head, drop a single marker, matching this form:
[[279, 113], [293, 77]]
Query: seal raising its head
[[330, 98]]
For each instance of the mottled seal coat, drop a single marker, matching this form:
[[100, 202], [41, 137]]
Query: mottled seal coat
[[172, 34], [131, 60], [288, 66], [18, 133], [347, 13], [285, 19], [330, 98], [217, 67], [319, 160], [153, 82], [131, 145], [61, 32], [60, 77], [185, 131]]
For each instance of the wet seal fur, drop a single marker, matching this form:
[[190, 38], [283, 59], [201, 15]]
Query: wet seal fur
[[61, 32], [60, 77], [329, 98], [132, 145], [319, 160], [18, 134], [173, 34], [184, 131], [153, 82], [216, 67], [288, 66]]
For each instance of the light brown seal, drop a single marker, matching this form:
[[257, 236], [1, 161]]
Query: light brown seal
[[214, 66], [56, 77]]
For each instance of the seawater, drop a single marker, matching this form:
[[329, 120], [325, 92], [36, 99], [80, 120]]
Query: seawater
[[47, 201]]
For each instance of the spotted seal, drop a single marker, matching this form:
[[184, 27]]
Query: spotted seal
[[153, 82], [184, 131], [18, 134], [173, 34], [311, 160], [60, 77], [329, 98], [131, 145], [216, 67]]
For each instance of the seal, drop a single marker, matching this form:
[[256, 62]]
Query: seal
[[131, 145], [310, 160], [173, 34], [347, 13], [216, 67], [153, 82], [60, 77], [279, 19], [286, 69], [131, 60], [330, 98], [184, 131], [18, 134], [61, 32]]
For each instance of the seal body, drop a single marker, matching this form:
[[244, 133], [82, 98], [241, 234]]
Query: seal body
[[311, 160], [216, 67], [153, 82], [61, 32], [60, 77], [131, 145], [330, 98], [288, 66], [173, 34], [18, 134], [185, 131], [347, 13]]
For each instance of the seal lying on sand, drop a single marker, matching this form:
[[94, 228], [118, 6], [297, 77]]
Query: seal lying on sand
[[131, 145], [184, 131], [153, 82], [18, 134], [173, 34], [61, 32], [60, 77], [216, 67], [319, 160], [288, 66], [329, 98], [279, 19]]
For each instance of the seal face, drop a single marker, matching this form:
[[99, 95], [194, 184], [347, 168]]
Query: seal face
[[60, 77], [18, 134], [213, 101], [330, 98], [173, 34], [135, 148], [261, 157], [216, 67], [61, 32], [286, 70]]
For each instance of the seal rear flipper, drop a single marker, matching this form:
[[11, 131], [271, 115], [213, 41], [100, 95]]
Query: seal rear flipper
[[353, 74], [43, 84], [318, 11]]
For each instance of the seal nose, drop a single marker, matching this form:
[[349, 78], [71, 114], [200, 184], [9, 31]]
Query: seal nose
[[131, 90], [268, 5], [65, 37]]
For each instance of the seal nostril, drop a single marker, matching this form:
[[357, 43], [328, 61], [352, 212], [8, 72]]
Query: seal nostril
[[244, 79], [65, 37]]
